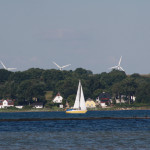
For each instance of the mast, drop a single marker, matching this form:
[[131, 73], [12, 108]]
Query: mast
[[80, 94]]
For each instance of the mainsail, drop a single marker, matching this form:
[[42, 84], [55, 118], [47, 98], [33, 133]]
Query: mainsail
[[82, 101]]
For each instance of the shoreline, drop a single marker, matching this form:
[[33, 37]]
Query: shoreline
[[62, 110]]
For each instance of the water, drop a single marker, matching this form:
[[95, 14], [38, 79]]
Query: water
[[130, 134]]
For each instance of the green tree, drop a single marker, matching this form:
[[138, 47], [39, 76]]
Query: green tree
[[71, 100], [116, 76], [9, 90], [30, 89], [34, 73], [129, 87], [117, 90], [81, 73], [4, 75], [97, 92], [66, 87], [143, 93], [19, 76]]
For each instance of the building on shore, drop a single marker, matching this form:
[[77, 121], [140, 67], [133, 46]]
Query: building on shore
[[124, 99], [37, 105], [90, 103], [103, 99], [6, 103], [58, 100]]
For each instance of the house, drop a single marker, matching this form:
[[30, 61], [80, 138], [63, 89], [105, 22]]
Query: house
[[90, 103], [37, 105], [103, 99], [6, 103], [58, 98], [123, 97]]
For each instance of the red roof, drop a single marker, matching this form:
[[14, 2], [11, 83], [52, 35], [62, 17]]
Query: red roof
[[10, 102]]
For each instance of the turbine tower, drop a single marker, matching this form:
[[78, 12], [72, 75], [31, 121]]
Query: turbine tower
[[9, 69], [60, 68], [118, 67]]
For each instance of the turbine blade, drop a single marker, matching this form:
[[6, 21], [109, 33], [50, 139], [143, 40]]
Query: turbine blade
[[120, 61], [11, 68], [65, 66], [3, 65], [57, 65], [114, 67], [121, 68]]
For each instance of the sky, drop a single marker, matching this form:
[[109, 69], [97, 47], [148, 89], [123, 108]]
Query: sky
[[88, 34]]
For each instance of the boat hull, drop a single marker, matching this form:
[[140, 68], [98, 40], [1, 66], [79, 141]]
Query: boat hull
[[76, 111]]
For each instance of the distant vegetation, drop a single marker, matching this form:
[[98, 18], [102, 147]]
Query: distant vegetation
[[42, 85]]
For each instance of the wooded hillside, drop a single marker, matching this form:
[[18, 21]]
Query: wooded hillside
[[32, 84]]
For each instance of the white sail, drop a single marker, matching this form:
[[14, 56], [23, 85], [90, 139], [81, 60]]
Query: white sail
[[76, 104], [80, 101]]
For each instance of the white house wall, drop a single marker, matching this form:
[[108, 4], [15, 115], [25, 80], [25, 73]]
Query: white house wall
[[58, 99]]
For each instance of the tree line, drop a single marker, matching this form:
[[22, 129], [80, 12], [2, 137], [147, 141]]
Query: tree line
[[30, 85]]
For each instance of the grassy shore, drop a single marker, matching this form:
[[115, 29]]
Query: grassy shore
[[29, 110], [113, 108]]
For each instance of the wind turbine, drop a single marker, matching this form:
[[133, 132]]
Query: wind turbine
[[60, 68], [9, 69], [118, 67]]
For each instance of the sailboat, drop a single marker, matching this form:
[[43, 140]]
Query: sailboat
[[79, 105]]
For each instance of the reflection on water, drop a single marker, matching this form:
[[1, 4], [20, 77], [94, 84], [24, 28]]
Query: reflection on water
[[76, 134]]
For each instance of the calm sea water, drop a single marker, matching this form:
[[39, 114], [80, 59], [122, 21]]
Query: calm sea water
[[130, 134]]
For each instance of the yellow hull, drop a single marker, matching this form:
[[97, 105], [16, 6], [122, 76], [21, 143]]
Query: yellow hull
[[76, 111]]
